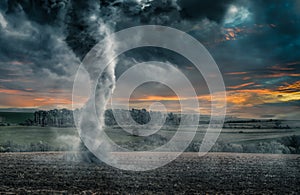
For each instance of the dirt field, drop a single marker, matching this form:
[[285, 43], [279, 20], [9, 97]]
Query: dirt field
[[39, 173]]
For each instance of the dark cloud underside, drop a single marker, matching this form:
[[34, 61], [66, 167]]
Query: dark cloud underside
[[255, 43]]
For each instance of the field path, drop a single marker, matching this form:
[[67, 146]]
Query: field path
[[39, 173]]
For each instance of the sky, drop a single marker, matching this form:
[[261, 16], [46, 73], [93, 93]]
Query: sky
[[256, 45]]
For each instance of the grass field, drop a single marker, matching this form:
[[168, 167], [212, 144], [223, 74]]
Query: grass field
[[22, 138], [58, 137], [26, 135], [230, 140]]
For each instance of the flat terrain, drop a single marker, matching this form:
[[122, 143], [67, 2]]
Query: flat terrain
[[24, 135], [38, 173], [55, 136]]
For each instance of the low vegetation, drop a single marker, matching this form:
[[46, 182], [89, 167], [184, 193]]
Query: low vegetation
[[48, 132]]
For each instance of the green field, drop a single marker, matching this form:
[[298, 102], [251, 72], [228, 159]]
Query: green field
[[32, 134], [52, 138], [21, 138]]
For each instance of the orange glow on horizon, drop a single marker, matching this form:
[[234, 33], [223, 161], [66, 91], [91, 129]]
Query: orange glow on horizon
[[237, 98], [11, 91], [241, 85], [281, 74], [26, 99], [236, 73], [158, 98], [294, 87]]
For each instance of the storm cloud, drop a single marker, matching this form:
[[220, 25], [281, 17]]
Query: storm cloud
[[255, 43]]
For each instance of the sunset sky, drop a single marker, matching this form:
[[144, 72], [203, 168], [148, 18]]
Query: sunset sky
[[256, 45]]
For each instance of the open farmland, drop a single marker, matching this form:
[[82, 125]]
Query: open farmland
[[23, 136], [38, 173], [34, 138]]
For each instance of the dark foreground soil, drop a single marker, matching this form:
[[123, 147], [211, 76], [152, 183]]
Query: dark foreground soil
[[51, 173]]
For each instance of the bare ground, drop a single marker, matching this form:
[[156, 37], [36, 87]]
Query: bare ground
[[48, 173]]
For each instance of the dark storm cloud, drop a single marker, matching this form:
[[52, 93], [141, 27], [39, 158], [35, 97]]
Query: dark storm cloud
[[278, 12], [39, 46], [152, 12], [82, 32], [46, 39], [272, 38], [195, 9], [42, 11], [123, 14], [82, 16], [3, 5], [253, 51], [33, 51]]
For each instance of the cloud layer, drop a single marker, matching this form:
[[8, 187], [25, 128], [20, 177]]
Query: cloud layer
[[255, 43]]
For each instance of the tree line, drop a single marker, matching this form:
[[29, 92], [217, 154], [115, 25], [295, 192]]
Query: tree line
[[64, 117]]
